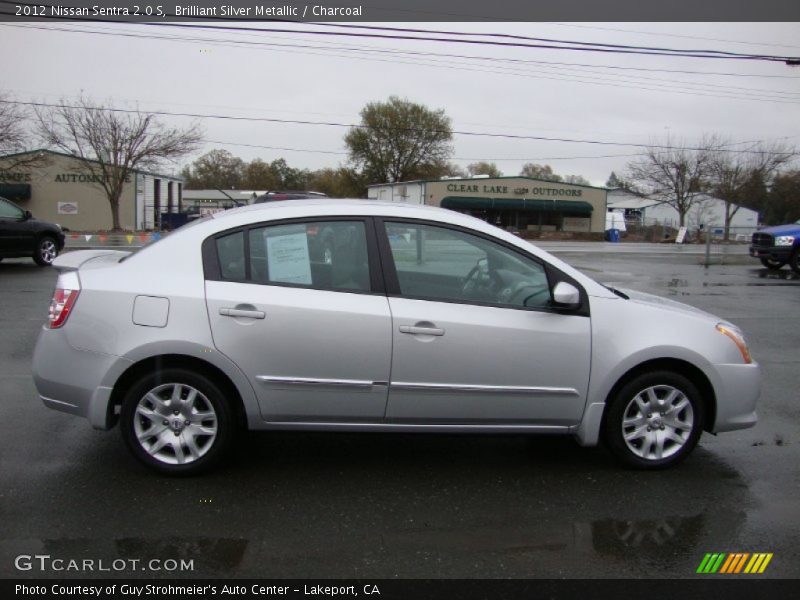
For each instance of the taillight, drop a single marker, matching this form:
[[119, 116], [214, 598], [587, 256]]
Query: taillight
[[67, 289]]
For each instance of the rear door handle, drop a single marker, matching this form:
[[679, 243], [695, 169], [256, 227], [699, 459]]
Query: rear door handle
[[413, 330], [238, 312]]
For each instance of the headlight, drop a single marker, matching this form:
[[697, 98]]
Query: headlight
[[737, 338], [784, 240]]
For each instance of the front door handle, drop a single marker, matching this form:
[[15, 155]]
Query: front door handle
[[238, 312], [415, 330]]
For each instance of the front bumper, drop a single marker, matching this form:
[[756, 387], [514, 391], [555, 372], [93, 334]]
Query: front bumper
[[75, 381], [781, 253], [737, 389]]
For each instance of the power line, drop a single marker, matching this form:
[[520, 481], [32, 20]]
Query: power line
[[674, 35], [57, 27], [460, 38], [361, 126], [730, 92]]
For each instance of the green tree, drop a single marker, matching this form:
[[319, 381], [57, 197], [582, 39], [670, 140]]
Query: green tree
[[258, 175], [577, 180], [343, 182], [399, 140], [782, 203], [539, 172], [484, 168], [215, 170]]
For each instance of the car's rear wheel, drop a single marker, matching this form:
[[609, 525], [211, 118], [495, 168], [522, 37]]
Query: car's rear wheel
[[46, 251], [176, 421], [794, 260], [655, 420], [772, 263]]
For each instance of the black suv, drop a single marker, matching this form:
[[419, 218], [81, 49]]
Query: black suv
[[22, 235]]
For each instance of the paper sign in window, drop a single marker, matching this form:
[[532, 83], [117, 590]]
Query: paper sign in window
[[288, 259]]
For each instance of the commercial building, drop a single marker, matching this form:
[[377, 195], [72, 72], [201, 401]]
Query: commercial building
[[518, 203], [707, 211], [59, 188]]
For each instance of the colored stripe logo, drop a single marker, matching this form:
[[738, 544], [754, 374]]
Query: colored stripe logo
[[733, 563]]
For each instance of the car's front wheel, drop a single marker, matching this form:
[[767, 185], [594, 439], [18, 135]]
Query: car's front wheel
[[176, 421], [773, 264], [46, 251], [654, 420]]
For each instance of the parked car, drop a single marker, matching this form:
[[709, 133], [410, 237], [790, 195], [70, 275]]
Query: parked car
[[424, 320], [288, 195], [23, 236], [777, 246]]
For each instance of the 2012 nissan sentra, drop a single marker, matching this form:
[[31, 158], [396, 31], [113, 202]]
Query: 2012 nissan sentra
[[413, 319]]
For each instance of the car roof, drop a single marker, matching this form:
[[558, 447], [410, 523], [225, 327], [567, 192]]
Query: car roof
[[332, 206]]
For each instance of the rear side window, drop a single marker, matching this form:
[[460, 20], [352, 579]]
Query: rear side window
[[230, 250], [322, 255]]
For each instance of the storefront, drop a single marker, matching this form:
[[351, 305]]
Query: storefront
[[515, 203], [58, 188]]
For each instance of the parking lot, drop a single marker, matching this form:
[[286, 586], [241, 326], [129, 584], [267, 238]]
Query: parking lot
[[327, 505]]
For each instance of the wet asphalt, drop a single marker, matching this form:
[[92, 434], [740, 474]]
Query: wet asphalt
[[396, 505]]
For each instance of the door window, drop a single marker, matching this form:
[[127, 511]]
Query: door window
[[439, 263], [9, 211], [325, 255]]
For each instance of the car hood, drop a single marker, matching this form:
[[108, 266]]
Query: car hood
[[791, 229], [659, 302]]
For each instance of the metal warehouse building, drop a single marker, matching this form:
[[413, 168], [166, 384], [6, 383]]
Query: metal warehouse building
[[520, 203], [59, 189]]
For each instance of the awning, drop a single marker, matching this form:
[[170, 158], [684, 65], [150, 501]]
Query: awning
[[560, 206], [15, 191]]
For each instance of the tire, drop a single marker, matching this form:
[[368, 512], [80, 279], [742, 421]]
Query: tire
[[187, 443], [773, 264], [654, 442], [46, 251], [794, 260]]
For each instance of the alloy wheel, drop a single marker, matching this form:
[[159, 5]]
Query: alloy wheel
[[48, 251], [175, 423], [657, 422]]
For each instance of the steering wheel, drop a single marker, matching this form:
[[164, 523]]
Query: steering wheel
[[479, 278]]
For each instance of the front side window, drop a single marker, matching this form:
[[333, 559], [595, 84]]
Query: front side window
[[439, 263], [9, 211], [322, 255]]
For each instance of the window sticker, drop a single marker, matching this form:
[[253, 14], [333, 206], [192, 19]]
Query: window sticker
[[288, 259]]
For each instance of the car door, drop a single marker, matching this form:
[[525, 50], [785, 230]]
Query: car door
[[476, 337], [13, 230], [311, 329]]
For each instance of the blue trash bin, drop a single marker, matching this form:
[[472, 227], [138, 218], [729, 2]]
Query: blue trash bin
[[613, 235]]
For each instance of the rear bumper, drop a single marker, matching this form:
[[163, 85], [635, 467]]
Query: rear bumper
[[75, 381], [737, 388]]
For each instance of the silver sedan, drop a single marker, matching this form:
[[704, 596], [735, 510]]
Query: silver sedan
[[368, 316]]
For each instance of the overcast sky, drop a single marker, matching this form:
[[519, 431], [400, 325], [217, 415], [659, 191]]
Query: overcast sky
[[210, 74]]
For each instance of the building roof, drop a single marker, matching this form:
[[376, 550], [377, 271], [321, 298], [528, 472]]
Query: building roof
[[594, 187], [48, 151]]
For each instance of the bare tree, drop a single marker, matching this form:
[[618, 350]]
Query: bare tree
[[111, 143], [734, 173], [674, 173], [15, 148]]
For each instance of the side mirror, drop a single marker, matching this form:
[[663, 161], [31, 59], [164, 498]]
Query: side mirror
[[566, 296], [28, 215]]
